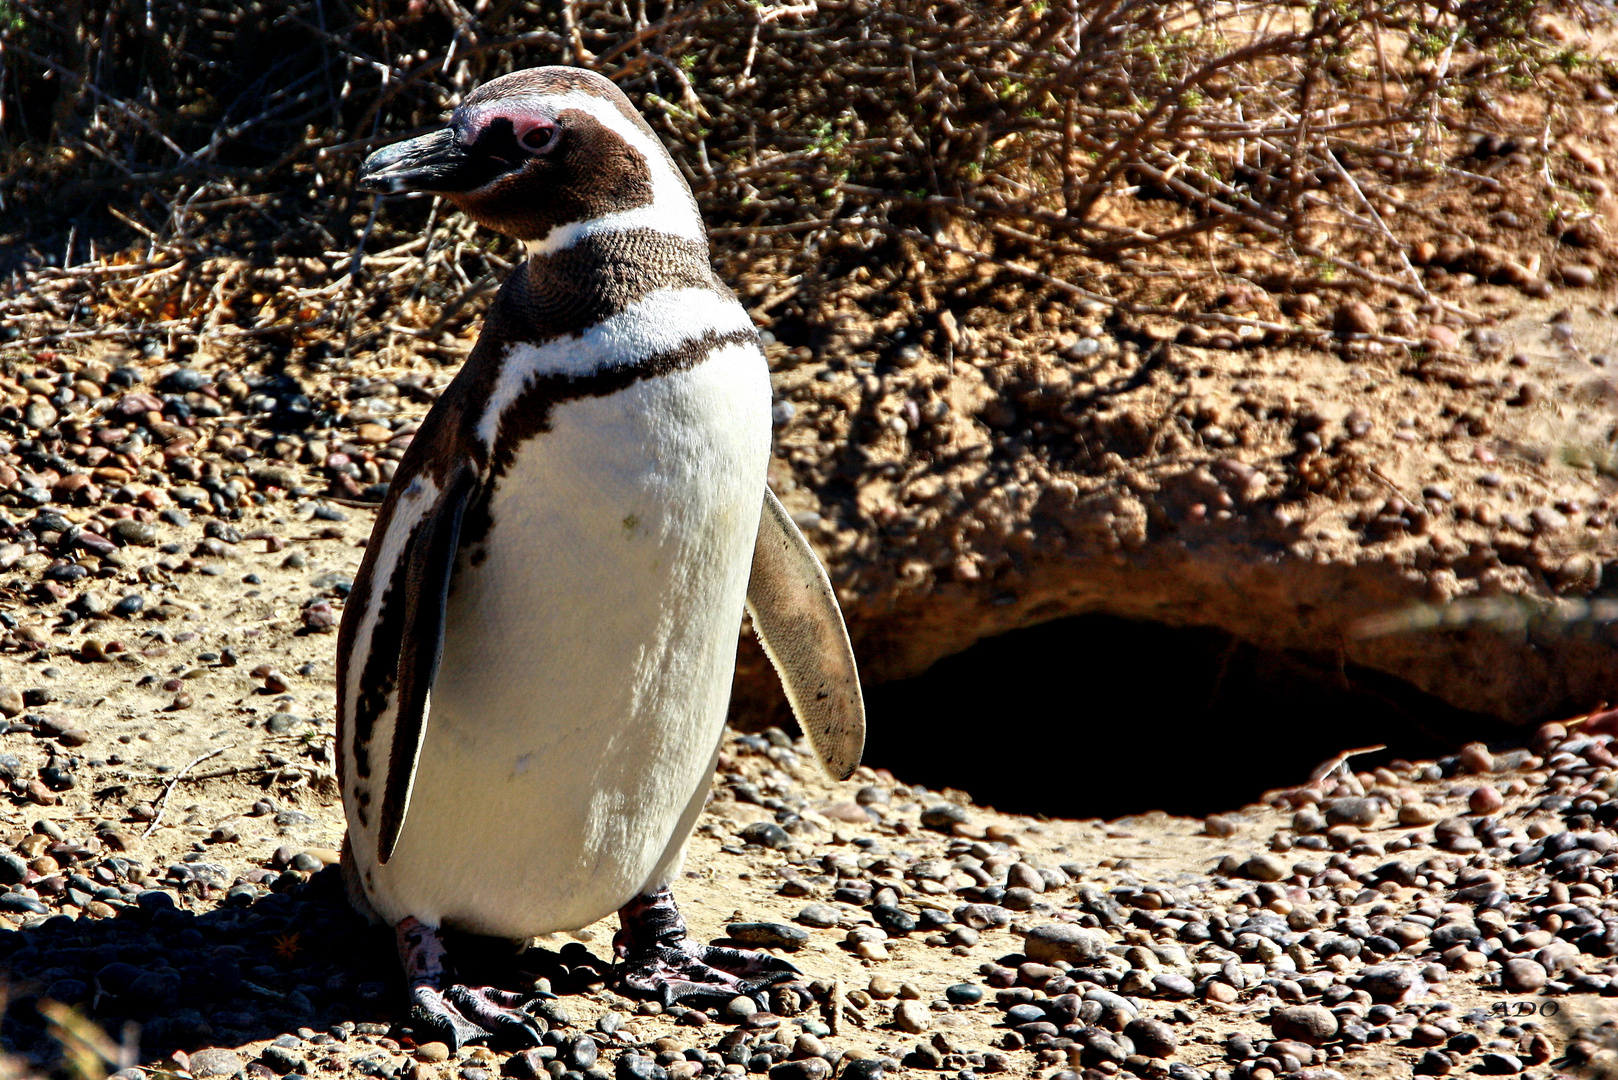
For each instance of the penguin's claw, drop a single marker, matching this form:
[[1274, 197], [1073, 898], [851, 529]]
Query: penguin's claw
[[659, 959], [467, 1014], [673, 973]]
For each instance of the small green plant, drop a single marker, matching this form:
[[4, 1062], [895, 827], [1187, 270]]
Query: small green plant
[[1571, 59], [669, 107], [827, 138]]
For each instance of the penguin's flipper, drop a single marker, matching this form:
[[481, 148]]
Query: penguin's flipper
[[431, 562], [801, 628]]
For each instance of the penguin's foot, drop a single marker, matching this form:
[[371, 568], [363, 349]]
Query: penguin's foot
[[459, 1014], [467, 1014], [658, 958]]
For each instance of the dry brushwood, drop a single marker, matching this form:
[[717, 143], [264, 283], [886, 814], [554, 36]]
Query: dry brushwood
[[1096, 150]]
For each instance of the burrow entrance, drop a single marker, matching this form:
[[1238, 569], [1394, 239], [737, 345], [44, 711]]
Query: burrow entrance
[[1098, 716]]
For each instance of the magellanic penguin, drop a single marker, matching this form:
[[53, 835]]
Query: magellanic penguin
[[536, 657]]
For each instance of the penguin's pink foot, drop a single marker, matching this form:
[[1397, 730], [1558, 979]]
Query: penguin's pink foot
[[458, 1014], [467, 1014], [657, 957]]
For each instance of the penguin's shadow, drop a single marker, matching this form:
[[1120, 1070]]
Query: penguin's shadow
[[239, 973]]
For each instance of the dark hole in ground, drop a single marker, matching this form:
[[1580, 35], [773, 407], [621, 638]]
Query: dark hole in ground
[[1097, 716]]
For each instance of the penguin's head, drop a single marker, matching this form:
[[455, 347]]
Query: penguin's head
[[539, 149]]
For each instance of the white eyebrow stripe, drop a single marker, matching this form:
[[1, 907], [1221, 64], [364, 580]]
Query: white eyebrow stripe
[[672, 209]]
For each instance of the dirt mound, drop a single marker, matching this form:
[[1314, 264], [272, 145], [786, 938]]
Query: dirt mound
[[1294, 499]]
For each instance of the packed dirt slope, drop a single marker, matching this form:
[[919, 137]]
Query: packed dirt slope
[[1289, 497]]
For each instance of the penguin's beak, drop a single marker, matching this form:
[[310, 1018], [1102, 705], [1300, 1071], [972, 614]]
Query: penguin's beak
[[431, 162]]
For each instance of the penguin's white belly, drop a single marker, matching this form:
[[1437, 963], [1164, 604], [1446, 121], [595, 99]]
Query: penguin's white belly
[[588, 658]]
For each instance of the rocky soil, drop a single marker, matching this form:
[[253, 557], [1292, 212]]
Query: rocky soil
[[167, 872], [1418, 484], [174, 571]]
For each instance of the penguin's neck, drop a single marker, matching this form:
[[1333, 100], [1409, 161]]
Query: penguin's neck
[[602, 313], [602, 276]]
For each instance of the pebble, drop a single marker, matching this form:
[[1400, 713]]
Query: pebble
[[432, 1052], [1389, 982], [280, 1059], [813, 1068], [820, 916], [1153, 1038], [963, 994], [1475, 758], [863, 1069], [944, 817], [1356, 317], [581, 1053], [1485, 800], [912, 1017], [766, 834], [1312, 1024], [1075, 945], [1173, 986], [1523, 976], [1264, 867], [214, 1061], [634, 1067], [1419, 813], [1347, 811], [768, 935]]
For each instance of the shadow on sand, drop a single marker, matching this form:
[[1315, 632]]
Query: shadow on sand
[[230, 975]]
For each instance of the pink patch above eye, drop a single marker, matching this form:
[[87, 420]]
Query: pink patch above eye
[[536, 131]]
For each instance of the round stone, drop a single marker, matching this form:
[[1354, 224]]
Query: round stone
[[1173, 986], [1497, 1064], [1024, 1014], [1153, 1038], [1264, 867], [581, 1053], [1388, 983], [768, 935], [1419, 813], [1312, 1024], [1475, 758], [130, 531], [216, 1061], [1023, 876], [1523, 976], [964, 994], [911, 1017], [813, 1068], [821, 916], [944, 817], [432, 1052], [1064, 941], [38, 415], [1434, 1063], [863, 1069], [1485, 800], [766, 834], [1353, 810]]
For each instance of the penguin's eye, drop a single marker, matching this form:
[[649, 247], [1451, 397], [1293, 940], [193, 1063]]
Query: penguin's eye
[[541, 138]]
